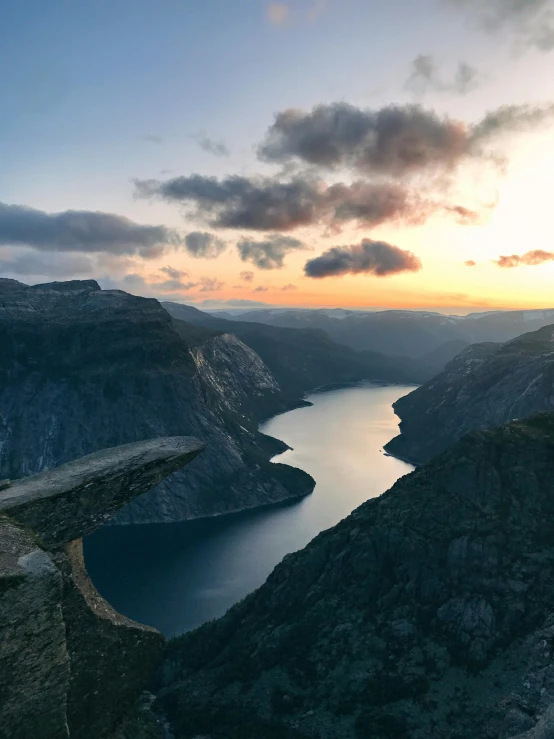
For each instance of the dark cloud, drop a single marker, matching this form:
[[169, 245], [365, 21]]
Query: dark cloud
[[368, 257], [247, 276], [239, 202], [217, 148], [270, 253], [264, 204], [531, 21], [470, 263], [203, 245], [152, 138], [290, 286], [395, 141], [530, 258], [80, 230], [260, 289], [425, 76], [174, 274]]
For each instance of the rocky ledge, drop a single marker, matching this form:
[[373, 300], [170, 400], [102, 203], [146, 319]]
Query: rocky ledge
[[71, 666]]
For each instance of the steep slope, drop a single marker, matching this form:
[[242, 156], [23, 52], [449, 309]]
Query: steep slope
[[406, 333], [425, 613], [303, 359], [484, 386], [83, 368]]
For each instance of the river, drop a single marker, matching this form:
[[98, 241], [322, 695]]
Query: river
[[177, 576]]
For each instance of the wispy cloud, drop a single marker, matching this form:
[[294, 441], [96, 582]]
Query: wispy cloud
[[530, 259], [212, 146], [425, 76]]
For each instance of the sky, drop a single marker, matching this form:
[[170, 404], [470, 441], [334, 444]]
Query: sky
[[310, 153]]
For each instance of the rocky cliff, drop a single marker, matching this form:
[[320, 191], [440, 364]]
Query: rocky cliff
[[303, 359], [484, 386], [82, 369], [428, 612], [70, 666]]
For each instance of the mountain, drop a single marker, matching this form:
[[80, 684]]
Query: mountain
[[406, 333], [484, 386], [304, 359], [428, 612], [83, 368]]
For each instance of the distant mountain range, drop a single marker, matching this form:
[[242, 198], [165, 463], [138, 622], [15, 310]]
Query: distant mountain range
[[302, 359], [484, 386], [412, 334]]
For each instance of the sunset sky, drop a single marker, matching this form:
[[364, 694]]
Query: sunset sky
[[313, 153]]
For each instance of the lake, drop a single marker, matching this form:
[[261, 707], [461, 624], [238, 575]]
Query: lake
[[177, 576]]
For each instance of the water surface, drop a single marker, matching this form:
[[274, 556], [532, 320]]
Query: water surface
[[177, 576]]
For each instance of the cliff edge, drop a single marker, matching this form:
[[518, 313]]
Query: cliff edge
[[70, 666]]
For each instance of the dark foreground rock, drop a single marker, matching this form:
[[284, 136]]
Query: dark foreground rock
[[426, 613], [71, 666]]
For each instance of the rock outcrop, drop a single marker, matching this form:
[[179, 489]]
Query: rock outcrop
[[82, 369], [484, 386], [428, 612], [70, 666]]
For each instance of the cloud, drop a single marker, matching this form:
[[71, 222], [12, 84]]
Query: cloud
[[247, 276], [210, 284], [152, 138], [425, 76], [368, 257], [174, 274], [270, 253], [265, 204], [277, 13], [53, 266], [203, 245], [173, 285], [290, 286], [530, 21], [395, 141], [530, 258], [217, 148], [81, 230], [260, 289], [470, 263]]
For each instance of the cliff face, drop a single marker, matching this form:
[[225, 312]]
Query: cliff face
[[426, 613], [70, 666], [485, 386], [305, 358], [82, 369]]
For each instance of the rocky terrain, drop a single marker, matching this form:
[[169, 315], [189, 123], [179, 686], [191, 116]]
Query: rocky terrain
[[484, 386], [414, 334], [428, 612], [70, 666], [304, 359], [82, 369]]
